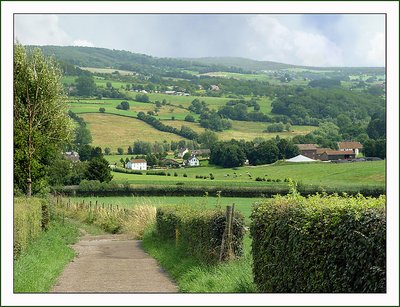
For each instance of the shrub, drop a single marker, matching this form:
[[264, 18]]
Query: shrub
[[320, 244], [27, 222], [176, 174], [102, 110], [199, 231], [184, 175], [159, 173]]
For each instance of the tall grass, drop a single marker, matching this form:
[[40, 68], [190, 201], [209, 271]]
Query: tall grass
[[112, 219], [193, 276], [27, 222]]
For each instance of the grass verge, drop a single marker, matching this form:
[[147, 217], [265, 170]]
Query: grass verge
[[37, 268], [193, 276], [39, 265]]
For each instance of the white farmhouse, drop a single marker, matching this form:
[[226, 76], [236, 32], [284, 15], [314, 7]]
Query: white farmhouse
[[182, 152], [193, 161], [137, 164], [350, 146]]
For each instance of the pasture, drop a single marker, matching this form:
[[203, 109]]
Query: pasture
[[319, 173], [117, 131]]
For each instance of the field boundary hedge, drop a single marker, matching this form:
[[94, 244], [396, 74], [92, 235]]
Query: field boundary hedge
[[114, 189], [320, 244], [200, 232]]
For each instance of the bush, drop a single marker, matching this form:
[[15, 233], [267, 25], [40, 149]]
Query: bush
[[160, 173], [199, 231], [102, 110], [185, 175], [320, 244], [27, 222]]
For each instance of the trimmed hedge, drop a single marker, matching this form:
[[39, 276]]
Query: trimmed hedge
[[114, 189], [200, 232], [320, 244]]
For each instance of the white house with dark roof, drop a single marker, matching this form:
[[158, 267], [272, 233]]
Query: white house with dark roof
[[137, 164], [193, 161]]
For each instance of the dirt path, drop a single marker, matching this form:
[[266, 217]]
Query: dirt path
[[112, 263]]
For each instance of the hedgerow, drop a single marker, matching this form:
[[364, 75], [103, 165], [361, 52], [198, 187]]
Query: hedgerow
[[321, 243], [199, 231], [87, 188]]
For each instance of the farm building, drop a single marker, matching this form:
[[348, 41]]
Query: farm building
[[137, 164], [326, 154], [192, 161], [308, 150], [182, 152], [350, 146]]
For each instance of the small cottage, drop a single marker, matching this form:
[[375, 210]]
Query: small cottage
[[137, 164], [193, 161]]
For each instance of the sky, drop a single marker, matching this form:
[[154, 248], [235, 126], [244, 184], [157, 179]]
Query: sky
[[310, 39]]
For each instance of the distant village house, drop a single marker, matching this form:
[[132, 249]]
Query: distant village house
[[355, 147], [182, 152], [71, 155], [193, 161], [137, 164]]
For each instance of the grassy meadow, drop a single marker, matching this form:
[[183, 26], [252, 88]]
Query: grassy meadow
[[318, 173], [117, 131]]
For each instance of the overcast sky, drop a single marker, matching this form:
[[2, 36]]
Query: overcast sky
[[312, 39]]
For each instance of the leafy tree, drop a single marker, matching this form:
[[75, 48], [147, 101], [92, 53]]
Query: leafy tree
[[207, 138], [375, 148], [96, 153], [85, 152], [41, 124], [265, 153], [278, 127], [107, 151], [227, 154], [82, 136], [108, 84], [102, 110], [189, 118], [142, 98], [85, 86], [121, 151], [377, 126], [98, 169], [287, 149]]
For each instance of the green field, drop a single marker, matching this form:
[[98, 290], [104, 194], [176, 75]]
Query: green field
[[116, 131], [323, 174]]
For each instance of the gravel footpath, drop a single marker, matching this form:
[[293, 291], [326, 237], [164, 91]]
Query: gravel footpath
[[112, 264]]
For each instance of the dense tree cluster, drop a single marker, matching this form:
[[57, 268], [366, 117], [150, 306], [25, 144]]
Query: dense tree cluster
[[234, 153], [311, 106], [213, 121]]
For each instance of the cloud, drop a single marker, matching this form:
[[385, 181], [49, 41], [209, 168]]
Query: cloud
[[276, 41], [39, 29], [82, 43]]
